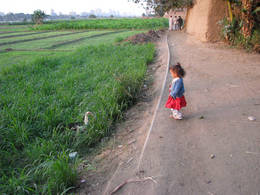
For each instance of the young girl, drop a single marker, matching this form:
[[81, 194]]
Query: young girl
[[176, 99]]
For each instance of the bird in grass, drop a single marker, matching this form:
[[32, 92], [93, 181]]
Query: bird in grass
[[86, 117], [79, 126], [83, 127]]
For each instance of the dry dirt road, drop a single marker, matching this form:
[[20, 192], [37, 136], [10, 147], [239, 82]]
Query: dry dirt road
[[223, 89], [215, 150]]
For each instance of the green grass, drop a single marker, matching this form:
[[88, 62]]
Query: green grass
[[41, 97], [33, 36], [14, 29], [14, 33], [137, 23], [108, 39], [13, 26], [10, 58], [43, 92], [18, 57], [37, 44]]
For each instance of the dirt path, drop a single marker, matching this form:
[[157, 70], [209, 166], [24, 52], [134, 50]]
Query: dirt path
[[223, 86], [222, 90]]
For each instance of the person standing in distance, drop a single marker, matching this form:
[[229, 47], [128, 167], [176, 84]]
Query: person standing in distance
[[180, 21], [170, 23]]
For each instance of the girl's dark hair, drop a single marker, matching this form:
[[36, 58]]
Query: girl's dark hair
[[178, 70]]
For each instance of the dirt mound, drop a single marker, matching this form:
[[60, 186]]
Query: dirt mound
[[9, 49], [145, 37]]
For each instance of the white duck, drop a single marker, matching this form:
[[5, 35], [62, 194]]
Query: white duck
[[86, 117]]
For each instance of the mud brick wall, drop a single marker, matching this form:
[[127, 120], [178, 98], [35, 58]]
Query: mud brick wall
[[202, 19]]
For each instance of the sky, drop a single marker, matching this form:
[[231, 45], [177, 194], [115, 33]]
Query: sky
[[67, 6]]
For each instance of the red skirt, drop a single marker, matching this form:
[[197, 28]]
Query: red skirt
[[177, 103]]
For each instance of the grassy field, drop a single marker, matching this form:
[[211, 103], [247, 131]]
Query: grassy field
[[12, 28], [136, 23], [44, 41], [47, 83], [34, 36], [16, 34]]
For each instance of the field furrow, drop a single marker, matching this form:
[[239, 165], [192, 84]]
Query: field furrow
[[8, 32], [107, 39], [46, 43], [83, 38], [23, 35], [39, 38], [12, 27], [50, 33]]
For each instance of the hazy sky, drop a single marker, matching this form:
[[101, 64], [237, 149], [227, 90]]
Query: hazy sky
[[66, 6]]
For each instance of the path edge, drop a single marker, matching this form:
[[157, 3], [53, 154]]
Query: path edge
[[157, 106], [105, 192]]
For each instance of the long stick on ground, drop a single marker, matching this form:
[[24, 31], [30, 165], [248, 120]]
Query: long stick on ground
[[131, 181]]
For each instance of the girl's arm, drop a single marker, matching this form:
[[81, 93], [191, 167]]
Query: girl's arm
[[176, 88]]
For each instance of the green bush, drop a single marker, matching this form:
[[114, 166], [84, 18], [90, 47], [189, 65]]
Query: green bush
[[231, 32], [255, 37], [119, 39]]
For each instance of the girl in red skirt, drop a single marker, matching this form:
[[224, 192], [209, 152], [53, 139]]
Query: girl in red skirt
[[176, 99]]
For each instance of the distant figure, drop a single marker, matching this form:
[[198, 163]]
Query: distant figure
[[176, 99], [170, 23], [175, 21], [180, 23]]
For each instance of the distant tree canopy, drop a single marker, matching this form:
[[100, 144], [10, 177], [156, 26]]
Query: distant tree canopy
[[38, 16], [162, 6], [92, 16]]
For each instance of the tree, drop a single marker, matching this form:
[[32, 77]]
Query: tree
[[38, 16], [92, 16], [162, 6], [247, 17]]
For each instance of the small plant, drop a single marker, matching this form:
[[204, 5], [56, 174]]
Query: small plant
[[119, 39], [255, 40], [229, 29]]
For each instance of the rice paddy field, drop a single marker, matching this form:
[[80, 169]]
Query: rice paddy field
[[49, 78]]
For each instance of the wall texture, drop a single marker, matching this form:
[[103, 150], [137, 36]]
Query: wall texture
[[173, 13], [203, 17]]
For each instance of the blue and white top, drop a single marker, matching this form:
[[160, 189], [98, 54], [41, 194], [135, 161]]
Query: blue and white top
[[177, 88]]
